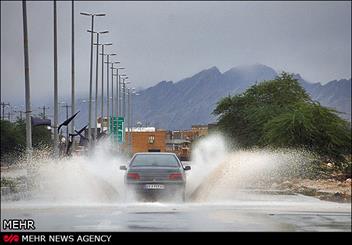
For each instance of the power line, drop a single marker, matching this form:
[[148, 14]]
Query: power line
[[44, 109]]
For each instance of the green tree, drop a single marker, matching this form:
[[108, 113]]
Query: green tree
[[13, 138], [280, 113], [12, 141], [313, 127], [41, 136]]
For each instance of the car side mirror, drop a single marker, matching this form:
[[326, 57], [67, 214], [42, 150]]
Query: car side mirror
[[187, 168], [123, 167]]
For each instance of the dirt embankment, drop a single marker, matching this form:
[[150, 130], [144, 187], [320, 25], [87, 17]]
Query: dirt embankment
[[324, 189]]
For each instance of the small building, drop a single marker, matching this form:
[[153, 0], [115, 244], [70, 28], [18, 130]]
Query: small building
[[147, 140]]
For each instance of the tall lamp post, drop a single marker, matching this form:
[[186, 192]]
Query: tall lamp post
[[112, 86], [92, 15], [27, 84], [124, 82], [73, 102], [96, 83], [120, 93], [133, 93], [107, 88], [118, 90], [128, 118], [102, 77], [56, 108]]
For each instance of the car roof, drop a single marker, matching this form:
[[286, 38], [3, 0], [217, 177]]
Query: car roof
[[155, 153]]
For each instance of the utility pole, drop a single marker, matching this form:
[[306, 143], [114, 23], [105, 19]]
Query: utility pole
[[3, 105], [27, 84], [56, 109], [44, 109], [73, 102]]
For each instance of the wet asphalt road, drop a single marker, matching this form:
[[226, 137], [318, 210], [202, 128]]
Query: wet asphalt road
[[263, 212]]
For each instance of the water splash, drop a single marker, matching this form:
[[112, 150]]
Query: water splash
[[218, 173], [93, 179]]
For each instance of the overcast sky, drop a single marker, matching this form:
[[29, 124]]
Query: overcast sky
[[158, 41]]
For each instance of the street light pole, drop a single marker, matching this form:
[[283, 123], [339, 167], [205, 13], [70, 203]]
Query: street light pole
[[91, 77], [112, 87], [27, 84], [107, 93], [56, 109], [121, 93], [102, 80], [90, 84], [118, 90], [96, 84], [107, 88], [131, 115], [73, 102], [96, 90], [124, 96], [129, 121], [120, 96]]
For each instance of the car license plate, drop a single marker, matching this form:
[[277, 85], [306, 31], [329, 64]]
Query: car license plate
[[154, 187]]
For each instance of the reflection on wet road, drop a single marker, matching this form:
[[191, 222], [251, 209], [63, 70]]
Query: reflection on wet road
[[253, 213]]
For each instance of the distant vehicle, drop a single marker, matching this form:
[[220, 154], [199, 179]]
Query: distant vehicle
[[155, 175]]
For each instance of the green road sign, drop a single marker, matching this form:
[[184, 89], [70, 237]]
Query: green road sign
[[120, 129], [113, 125]]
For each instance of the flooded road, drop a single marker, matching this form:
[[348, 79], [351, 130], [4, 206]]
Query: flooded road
[[251, 212], [87, 193]]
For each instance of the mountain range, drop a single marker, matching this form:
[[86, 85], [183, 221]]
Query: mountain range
[[179, 105]]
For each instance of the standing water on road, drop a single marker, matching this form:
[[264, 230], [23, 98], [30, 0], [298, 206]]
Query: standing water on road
[[86, 193], [217, 174]]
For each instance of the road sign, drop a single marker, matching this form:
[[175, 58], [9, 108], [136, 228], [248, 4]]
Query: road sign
[[113, 125], [120, 129]]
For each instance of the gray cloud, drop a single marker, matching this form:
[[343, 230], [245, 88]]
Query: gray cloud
[[171, 40]]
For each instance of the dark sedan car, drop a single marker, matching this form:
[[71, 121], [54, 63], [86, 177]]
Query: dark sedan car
[[156, 175]]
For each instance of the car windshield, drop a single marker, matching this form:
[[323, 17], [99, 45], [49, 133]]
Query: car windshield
[[159, 160]]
